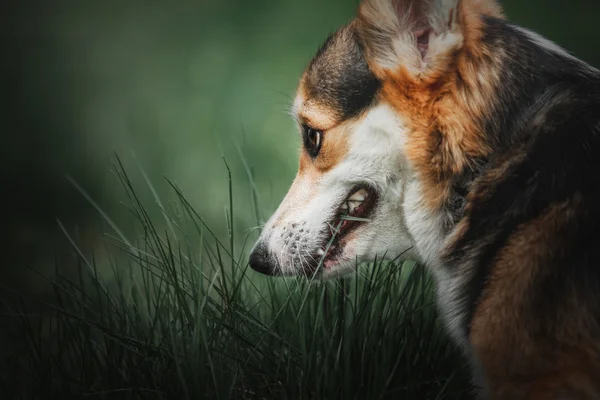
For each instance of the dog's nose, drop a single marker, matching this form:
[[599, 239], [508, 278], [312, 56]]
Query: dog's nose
[[260, 260]]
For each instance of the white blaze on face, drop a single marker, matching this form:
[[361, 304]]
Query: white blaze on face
[[300, 226]]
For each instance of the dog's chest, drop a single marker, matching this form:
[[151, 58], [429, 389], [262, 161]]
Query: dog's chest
[[429, 231]]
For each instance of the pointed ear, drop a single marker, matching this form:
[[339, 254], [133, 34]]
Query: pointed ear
[[420, 35]]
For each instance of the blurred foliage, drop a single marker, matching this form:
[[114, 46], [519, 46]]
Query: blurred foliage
[[174, 87]]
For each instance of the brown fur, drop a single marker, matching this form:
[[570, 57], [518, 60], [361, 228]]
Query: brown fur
[[525, 358]]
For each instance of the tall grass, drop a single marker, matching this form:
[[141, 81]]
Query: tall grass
[[179, 315]]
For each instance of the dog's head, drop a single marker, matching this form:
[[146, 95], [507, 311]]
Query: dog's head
[[371, 86]]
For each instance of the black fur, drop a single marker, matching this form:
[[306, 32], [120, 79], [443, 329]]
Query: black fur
[[339, 76]]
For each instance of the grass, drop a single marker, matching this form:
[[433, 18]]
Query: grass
[[178, 315]]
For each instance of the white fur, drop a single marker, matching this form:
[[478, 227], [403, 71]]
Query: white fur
[[430, 238], [427, 230], [375, 157], [553, 48]]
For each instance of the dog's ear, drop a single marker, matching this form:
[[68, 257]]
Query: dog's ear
[[420, 35]]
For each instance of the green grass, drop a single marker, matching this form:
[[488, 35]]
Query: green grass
[[178, 315]]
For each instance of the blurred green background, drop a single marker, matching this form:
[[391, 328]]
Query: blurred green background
[[172, 87]]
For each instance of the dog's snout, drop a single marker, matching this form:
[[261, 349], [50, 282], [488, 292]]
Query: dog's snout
[[260, 260]]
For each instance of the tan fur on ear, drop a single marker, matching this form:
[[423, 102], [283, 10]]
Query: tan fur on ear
[[390, 30]]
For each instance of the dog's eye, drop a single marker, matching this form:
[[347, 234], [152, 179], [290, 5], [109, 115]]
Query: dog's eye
[[312, 140]]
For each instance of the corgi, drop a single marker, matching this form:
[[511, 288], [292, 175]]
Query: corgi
[[438, 131]]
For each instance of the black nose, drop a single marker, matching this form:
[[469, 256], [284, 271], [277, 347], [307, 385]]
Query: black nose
[[260, 260]]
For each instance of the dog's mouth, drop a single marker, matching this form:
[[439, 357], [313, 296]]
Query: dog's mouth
[[354, 211]]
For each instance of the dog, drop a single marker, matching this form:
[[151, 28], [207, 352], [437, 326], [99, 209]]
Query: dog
[[438, 131]]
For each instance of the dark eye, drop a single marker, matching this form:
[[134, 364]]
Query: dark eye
[[312, 140]]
